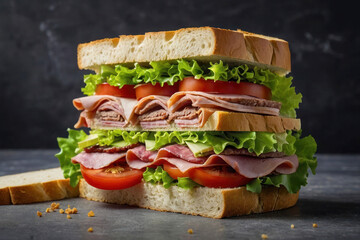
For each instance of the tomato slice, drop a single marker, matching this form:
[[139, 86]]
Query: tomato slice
[[127, 91], [173, 171], [225, 87], [218, 177], [115, 177], [147, 89]]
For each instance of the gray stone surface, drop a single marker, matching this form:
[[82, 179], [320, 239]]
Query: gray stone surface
[[331, 199]]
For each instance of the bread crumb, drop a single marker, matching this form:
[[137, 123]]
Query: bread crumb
[[61, 211], [39, 214], [68, 216], [315, 225], [292, 226], [264, 236], [91, 214], [74, 210], [90, 229], [68, 211], [190, 231], [54, 206], [47, 210]]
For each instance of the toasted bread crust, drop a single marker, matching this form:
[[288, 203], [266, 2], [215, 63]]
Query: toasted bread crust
[[220, 202], [203, 44], [41, 191], [5, 196]]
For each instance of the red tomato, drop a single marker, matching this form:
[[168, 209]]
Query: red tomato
[[127, 91], [103, 179], [218, 177], [147, 89], [229, 87], [173, 171]]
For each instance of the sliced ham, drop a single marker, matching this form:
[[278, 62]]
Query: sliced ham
[[108, 124], [92, 104], [185, 123], [140, 153], [150, 102], [180, 151], [154, 124], [97, 160], [250, 167], [147, 105], [236, 103], [181, 157], [198, 122]]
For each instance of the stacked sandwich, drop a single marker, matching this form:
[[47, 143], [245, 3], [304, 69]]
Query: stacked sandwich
[[199, 121]]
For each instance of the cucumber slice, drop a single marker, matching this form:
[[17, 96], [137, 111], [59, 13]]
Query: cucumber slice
[[89, 141], [199, 149], [119, 144]]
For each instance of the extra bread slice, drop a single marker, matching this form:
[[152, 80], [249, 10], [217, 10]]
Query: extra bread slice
[[234, 121], [203, 44], [203, 201], [36, 186]]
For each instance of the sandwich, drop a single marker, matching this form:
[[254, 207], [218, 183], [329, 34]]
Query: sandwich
[[198, 121]]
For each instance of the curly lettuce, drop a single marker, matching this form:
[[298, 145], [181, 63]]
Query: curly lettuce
[[305, 150], [68, 149], [160, 176], [170, 73], [256, 142]]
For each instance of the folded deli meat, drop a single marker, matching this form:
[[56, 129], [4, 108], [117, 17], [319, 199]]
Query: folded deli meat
[[183, 108], [181, 157], [196, 108]]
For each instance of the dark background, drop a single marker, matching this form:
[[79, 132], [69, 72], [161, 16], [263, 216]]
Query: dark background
[[39, 75]]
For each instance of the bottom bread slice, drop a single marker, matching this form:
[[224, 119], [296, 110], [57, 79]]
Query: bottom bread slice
[[203, 201]]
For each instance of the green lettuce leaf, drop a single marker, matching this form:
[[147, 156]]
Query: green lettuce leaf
[[159, 175], [254, 186], [68, 149], [257, 142], [186, 183], [305, 149], [91, 81], [110, 137], [170, 73]]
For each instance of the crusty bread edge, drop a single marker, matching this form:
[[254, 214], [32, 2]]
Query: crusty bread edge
[[5, 198], [236, 201], [38, 192], [270, 199], [230, 46]]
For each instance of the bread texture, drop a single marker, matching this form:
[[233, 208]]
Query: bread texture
[[205, 44], [234, 121], [36, 186], [220, 203]]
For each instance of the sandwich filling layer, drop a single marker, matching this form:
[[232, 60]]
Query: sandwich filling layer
[[126, 107], [166, 74], [259, 158]]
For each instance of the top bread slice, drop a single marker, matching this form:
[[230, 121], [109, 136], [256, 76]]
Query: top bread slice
[[205, 44], [36, 186]]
